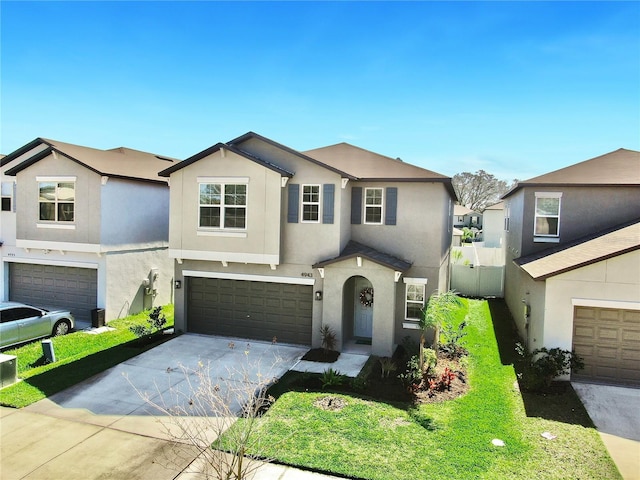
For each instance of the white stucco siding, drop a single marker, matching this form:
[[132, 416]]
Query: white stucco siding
[[125, 273], [134, 212], [614, 280]]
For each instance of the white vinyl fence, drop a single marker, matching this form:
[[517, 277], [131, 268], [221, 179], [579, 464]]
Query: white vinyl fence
[[479, 272]]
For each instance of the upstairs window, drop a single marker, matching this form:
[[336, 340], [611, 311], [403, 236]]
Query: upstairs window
[[7, 196], [373, 201], [311, 203], [547, 215], [223, 206], [57, 201]]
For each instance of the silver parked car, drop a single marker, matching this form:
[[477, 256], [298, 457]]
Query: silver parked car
[[21, 323]]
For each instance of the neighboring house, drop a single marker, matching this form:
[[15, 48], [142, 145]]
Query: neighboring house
[[465, 217], [272, 243], [85, 229], [492, 233], [573, 263]]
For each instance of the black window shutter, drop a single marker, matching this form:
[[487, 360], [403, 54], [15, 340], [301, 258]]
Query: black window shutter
[[391, 209], [294, 203], [328, 190], [356, 205]]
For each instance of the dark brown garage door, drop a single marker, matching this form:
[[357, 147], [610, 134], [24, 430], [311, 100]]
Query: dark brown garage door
[[609, 342], [246, 309], [70, 288]]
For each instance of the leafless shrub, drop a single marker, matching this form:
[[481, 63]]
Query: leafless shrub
[[217, 416]]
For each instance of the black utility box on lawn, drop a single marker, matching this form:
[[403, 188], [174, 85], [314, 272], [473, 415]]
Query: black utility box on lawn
[[97, 317]]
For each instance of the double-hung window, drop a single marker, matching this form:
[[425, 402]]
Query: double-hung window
[[373, 201], [311, 203], [547, 215], [223, 206], [57, 200], [414, 301]]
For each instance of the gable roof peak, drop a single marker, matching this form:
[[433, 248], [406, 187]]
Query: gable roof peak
[[620, 167]]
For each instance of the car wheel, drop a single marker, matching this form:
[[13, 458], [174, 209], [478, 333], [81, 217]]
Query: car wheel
[[61, 327]]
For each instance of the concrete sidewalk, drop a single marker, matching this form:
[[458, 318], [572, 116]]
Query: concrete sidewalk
[[45, 440]]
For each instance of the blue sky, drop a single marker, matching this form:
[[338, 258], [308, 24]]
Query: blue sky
[[515, 88]]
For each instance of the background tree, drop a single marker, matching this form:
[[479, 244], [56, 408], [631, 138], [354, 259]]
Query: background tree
[[479, 190]]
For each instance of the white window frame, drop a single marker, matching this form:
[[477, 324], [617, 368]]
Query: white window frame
[[223, 183], [547, 237], [380, 206], [413, 323], [303, 203], [57, 201]]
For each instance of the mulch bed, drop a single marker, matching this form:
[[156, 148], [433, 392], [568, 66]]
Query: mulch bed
[[321, 355], [389, 388]]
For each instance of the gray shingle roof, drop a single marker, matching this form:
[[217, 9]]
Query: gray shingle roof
[[585, 251], [354, 249]]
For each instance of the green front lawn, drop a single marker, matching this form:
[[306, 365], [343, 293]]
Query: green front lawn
[[79, 356], [376, 440]]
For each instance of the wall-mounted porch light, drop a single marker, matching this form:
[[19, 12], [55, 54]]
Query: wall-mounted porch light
[[177, 284], [318, 295]]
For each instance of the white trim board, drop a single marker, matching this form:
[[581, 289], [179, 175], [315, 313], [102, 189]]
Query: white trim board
[[55, 263], [617, 304], [249, 277], [259, 258]]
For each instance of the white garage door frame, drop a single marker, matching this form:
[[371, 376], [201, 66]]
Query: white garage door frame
[[249, 277]]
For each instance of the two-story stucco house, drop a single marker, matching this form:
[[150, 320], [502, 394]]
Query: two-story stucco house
[[271, 242], [85, 229], [573, 263]]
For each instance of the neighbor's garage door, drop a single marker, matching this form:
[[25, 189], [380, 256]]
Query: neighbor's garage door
[[70, 288], [247, 309], [609, 342]]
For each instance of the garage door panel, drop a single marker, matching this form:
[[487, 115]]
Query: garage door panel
[[630, 335], [608, 340], [69, 288], [250, 309]]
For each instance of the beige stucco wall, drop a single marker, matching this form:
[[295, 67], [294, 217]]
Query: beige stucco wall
[[614, 280], [384, 286], [308, 243], [87, 202], [261, 244]]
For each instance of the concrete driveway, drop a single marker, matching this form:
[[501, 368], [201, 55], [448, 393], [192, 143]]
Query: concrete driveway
[[103, 428], [615, 411], [168, 374]]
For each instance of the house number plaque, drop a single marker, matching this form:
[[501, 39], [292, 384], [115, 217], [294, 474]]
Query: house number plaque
[[307, 274]]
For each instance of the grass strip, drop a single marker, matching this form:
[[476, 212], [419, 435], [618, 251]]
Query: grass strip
[[79, 355]]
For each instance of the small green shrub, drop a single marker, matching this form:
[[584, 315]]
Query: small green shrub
[[452, 337], [359, 384], [412, 376], [430, 358], [387, 365], [328, 338], [331, 378], [156, 321], [540, 367]]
